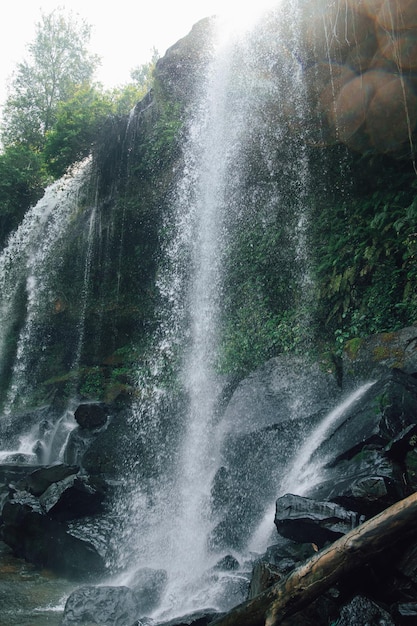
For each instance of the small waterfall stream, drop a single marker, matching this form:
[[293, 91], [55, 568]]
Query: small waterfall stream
[[29, 269], [304, 473]]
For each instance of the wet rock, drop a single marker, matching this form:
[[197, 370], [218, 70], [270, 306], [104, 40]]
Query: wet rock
[[286, 554], [71, 498], [367, 483], [39, 480], [199, 618], [387, 408], [228, 563], [149, 585], [231, 588], [183, 62], [284, 388], [247, 481], [45, 541], [375, 356], [407, 612], [101, 606], [305, 520], [407, 564], [363, 612], [91, 415]]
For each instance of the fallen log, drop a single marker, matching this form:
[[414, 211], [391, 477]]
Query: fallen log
[[311, 579]]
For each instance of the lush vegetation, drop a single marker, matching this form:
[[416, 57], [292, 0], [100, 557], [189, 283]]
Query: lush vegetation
[[55, 111]]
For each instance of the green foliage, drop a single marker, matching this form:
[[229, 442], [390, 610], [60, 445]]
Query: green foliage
[[142, 75], [366, 248], [92, 384], [161, 142], [21, 184], [78, 121], [58, 63]]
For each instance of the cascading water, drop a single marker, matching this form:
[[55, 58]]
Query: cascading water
[[29, 265], [168, 523], [304, 473]]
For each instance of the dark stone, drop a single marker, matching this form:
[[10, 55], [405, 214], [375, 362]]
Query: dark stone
[[264, 575], [407, 610], [228, 563], [407, 565], [373, 421], [71, 498], [199, 618], [283, 388], [78, 442], [46, 542], [101, 606], [403, 443], [178, 70], [38, 481], [363, 612], [91, 415], [286, 554], [149, 585], [247, 481], [231, 588], [305, 520], [367, 483]]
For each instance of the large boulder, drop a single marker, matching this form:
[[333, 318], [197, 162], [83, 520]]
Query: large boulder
[[181, 68], [38, 481], [46, 542], [362, 611], [308, 521], [283, 389], [374, 356], [149, 585], [101, 606], [91, 415], [387, 408]]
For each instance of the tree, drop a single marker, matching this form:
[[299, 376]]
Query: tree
[[58, 64], [142, 75], [339, 560], [78, 122]]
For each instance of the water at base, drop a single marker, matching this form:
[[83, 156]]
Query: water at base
[[29, 596]]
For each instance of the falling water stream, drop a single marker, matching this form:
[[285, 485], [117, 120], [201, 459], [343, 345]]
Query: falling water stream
[[174, 524]]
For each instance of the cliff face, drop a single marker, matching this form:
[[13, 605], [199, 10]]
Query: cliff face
[[321, 239]]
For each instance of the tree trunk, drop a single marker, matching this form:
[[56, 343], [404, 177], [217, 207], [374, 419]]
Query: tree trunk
[[324, 569]]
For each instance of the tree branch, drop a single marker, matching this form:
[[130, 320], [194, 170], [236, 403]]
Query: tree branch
[[324, 569]]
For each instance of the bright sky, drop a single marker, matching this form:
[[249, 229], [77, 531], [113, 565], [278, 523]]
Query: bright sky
[[123, 32]]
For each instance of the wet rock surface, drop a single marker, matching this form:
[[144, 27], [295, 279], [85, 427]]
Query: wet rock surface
[[101, 606]]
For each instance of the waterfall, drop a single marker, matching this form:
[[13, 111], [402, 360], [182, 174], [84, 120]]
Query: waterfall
[[30, 293], [167, 511], [304, 472]]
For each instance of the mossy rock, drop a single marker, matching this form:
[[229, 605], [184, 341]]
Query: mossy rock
[[371, 357]]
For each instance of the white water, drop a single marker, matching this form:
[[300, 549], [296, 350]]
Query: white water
[[304, 474], [30, 256], [171, 526]]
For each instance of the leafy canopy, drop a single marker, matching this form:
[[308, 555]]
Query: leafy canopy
[[58, 63]]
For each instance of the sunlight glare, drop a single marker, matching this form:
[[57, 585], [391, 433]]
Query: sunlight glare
[[236, 18]]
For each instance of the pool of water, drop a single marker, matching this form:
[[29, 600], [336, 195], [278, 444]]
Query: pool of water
[[30, 596]]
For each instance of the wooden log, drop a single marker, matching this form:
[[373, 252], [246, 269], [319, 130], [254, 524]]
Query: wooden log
[[311, 579]]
